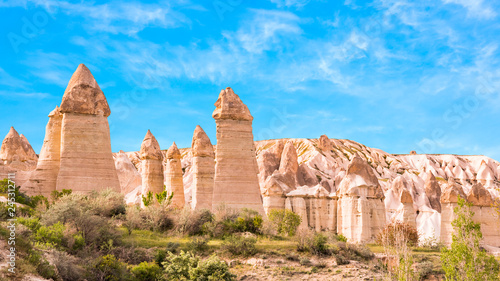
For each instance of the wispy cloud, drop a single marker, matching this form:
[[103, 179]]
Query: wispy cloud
[[290, 3], [117, 17], [475, 8]]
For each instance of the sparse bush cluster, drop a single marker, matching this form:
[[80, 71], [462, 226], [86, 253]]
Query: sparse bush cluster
[[390, 234]]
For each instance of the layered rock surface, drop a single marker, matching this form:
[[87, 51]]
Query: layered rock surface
[[203, 170], [173, 176], [152, 165], [236, 184]]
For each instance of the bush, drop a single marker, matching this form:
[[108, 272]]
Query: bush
[[147, 271], [177, 266], [319, 245], [106, 203], [285, 221], [388, 235], [107, 268], [51, 236], [240, 246], [187, 266], [211, 269], [228, 221], [191, 222], [304, 239], [153, 217], [42, 266], [68, 267], [198, 244], [466, 260]]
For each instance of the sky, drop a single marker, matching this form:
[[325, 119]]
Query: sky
[[394, 75]]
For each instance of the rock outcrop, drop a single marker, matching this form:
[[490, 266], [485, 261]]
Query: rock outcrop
[[325, 144], [405, 212], [16, 147], [449, 200], [314, 205], [77, 145], [86, 160], [485, 214], [130, 179], [433, 191], [44, 178], [152, 165], [203, 164], [236, 184], [173, 177], [360, 211]]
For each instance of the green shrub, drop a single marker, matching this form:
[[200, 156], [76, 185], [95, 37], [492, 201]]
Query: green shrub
[[186, 266], [341, 238], [148, 199], [68, 267], [177, 267], [55, 195], [33, 223], [51, 235], [387, 236], [107, 268], [285, 221], [147, 271], [154, 217], [198, 244], [228, 221], [304, 239], [240, 246], [211, 269], [42, 266], [106, 203], [466, 260], [319, 245]]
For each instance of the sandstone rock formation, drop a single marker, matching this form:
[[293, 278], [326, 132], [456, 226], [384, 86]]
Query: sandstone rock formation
[[405, 212], [77, 145], [360, 211], [325, 144], [273, 195], [433, 191], [173, 176], [236, 184], [130, 179], [86, 160], [203, 169], [485, 214], [314, 205], [152, 165], [44, 178], [16, 147], [449, 200]]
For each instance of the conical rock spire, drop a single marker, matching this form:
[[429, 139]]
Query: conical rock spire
[[230, 106], [83, 95]]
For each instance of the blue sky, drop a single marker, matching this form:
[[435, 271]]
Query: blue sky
[[394, 75]]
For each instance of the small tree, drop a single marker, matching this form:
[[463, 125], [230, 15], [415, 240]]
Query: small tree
[[285, 221], [465, 260]]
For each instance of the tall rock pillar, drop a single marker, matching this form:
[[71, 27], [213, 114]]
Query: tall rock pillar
[[152, 165], [86, 160], [44, 178], [173, 176], [203, 170], [236, 184]]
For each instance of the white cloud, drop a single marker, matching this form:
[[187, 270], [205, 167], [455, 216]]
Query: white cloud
[[290, 3], [267, 30], [117, 17], [475, 8]]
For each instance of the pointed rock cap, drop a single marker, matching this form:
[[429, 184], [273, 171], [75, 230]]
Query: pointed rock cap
[[83, 95], [325, 144], [484, 172], [30, 152], [360, 180], [55, 112], [451, 193], [289, 160], [278, 147], [400, 187], [12, 147], [201, 145], [12, 134], [173, 152], [230, 106], [150, 149], [479, 196]]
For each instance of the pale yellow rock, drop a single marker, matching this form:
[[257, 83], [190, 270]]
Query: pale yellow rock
[[30, 152], [44, 178], [173, 177], [152, 165], [449, 200], [236, 183], [86, 160], [273, 195], [203, 170], [317, 206], [406, 212], [479, 196], [361, 210]]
